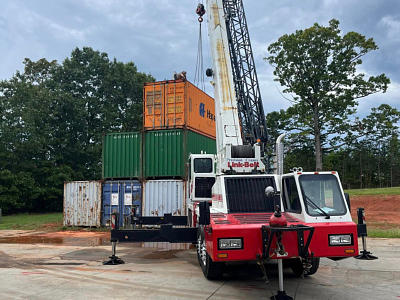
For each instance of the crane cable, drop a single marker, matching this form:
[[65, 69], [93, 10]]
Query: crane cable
[[199, 78]]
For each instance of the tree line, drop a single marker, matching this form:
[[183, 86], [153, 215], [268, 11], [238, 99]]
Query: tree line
[[317, 68], [53, 118], [366, 156]]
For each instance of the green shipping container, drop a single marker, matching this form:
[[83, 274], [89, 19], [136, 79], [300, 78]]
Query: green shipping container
[[122, 155], [166, 151]]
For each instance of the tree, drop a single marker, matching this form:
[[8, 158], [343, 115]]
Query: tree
[[380, 131], [318, 67], [53, 120]]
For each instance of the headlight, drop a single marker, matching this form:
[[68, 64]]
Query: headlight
[[340, 239], [232, 243]]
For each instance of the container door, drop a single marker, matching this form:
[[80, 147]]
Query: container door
[[130, 197], [110, 201], [154, 106], [175, 104], [164, 196]]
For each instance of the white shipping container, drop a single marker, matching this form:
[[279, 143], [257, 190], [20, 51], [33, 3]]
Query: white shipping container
[[82, 203], [164, 196]]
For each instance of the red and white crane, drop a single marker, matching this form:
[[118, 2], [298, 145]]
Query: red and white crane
[[237, 211]]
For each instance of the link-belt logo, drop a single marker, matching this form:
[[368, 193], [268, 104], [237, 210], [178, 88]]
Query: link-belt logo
[[202, 112], [246, 164]]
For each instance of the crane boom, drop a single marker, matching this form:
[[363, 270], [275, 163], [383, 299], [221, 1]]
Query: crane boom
[[250, 106], [226, 108], [235, 74], [240, 120]]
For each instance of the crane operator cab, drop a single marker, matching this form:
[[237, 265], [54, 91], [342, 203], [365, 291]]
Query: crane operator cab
[[201, 179]]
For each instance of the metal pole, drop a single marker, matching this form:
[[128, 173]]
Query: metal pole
[[279, 154], [280, 274], [114, 247], [364, 242]]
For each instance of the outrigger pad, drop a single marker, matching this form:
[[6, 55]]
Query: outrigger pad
[[281, 296], [114, 260], [366, 255]]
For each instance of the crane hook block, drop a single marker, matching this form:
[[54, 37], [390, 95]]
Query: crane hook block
[[200, 10]]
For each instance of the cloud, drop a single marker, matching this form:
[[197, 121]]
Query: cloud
[[392, 24], [160, 36]]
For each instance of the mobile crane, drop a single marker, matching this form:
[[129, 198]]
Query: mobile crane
[[234, 205]]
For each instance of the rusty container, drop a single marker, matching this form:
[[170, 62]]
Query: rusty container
[[82, 203], [178, 104]]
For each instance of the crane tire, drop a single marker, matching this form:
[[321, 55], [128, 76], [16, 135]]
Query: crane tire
[[211, 270]]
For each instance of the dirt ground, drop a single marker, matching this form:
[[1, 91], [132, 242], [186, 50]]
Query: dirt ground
[[59, 238], [381, 211]]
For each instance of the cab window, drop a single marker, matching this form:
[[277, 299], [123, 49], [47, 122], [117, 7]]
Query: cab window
[[291, 199], [203, 165]]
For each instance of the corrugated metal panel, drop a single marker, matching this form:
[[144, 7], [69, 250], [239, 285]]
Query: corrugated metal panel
[[122, 155], [121, 196], [166, 151], [164, 196], [197, 143], [82, 203], [177, 104]]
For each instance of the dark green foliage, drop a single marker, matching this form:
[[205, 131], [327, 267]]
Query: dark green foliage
[[370, 156], [318, 68], [53, 119]]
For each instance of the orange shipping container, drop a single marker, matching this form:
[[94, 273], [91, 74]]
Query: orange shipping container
[[178, 104]]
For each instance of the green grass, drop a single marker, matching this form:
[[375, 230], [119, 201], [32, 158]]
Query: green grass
[[31, 221], [384, 233], [377, 191]]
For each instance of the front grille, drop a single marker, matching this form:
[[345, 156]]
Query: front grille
[[247, 194]]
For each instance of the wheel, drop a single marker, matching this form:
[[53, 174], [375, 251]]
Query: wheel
[[211, 270], [314, 266], [297, 267]]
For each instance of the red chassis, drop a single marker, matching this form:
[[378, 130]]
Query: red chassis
[[248, 227]]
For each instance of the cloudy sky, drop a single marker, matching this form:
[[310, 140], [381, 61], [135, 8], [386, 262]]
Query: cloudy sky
[[160, 36]]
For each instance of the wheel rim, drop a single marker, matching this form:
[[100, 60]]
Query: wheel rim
[[201, 250]]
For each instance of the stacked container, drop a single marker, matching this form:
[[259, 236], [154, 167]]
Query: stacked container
[[178, 104], [122, 155], [178, 120]]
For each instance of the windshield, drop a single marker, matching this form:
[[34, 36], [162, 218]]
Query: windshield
[[322, 192]]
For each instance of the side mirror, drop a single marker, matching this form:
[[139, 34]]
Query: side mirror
[[204, 213], [269, 191], [347, 196]]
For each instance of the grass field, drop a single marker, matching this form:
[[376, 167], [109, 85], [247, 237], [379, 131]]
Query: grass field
[[377, 191], [31, 221], [383, 233]]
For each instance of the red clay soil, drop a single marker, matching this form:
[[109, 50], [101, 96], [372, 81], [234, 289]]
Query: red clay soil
[[68, 238], [381, 211]]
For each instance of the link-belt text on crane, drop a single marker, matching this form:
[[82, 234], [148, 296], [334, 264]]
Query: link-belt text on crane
[[245, 164]]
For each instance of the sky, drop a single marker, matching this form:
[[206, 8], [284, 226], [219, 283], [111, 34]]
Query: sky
[[160, 36]]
